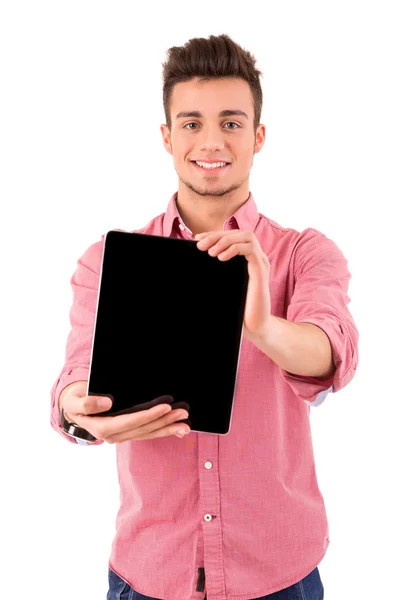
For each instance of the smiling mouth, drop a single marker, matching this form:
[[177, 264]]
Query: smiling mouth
[[211, 170]]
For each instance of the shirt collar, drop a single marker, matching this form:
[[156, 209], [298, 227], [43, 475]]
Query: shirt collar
[[245, 218]]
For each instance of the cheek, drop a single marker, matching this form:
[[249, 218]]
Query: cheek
[[245, 150], [181, 151]]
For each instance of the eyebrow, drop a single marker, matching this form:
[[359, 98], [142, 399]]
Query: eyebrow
[[224, 113]]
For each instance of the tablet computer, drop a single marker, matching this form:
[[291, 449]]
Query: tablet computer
[[169, 322]]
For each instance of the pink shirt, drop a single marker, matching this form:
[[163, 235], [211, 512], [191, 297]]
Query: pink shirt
[[245, 507]]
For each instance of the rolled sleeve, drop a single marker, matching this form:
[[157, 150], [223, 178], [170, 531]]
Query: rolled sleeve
[[320, 298], [85, 284]]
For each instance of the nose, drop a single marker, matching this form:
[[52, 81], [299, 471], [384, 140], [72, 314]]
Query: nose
[[210, 147], [212, 139]]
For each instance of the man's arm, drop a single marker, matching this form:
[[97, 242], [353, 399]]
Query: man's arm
[[315, 345], [85, 284], [299, 348]]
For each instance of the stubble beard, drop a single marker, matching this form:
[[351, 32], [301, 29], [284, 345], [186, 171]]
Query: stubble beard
[[209, 190]]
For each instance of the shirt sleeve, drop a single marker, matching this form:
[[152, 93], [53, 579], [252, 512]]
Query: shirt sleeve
[[85, 285], [320, 297]]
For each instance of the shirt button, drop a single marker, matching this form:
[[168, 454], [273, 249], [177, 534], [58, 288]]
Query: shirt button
[[208, 465], [207, 517]]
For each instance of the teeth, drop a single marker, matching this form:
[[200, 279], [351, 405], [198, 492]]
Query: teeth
[[210, 166]]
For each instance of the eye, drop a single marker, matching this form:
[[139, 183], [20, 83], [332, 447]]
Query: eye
[[229, 122]]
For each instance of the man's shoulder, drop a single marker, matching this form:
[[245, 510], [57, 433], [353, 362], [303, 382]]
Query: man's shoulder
[[290, 235], [297, 243], [289, 231]]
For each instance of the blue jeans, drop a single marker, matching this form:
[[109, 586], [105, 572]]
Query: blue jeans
[[309, 588]]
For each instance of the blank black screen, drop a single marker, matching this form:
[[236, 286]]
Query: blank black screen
[[169, 322]]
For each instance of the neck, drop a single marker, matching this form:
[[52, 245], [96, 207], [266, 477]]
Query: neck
[[207, 213]]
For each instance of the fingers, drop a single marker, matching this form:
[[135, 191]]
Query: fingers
[[168, 424], [163, 427], [161, 400], [111, 426], [158, 420], [142, 425]]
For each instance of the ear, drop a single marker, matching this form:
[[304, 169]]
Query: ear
[[166, 138], [260, 138]]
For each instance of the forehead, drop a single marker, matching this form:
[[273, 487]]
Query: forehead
[[212, 96]]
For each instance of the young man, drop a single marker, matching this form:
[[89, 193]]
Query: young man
[[238, 516]]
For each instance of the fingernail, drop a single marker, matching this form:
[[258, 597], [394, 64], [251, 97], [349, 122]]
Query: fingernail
[[180, 433], [106, 403]]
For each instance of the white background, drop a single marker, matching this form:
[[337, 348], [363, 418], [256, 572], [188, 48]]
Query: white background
[[81, 153]]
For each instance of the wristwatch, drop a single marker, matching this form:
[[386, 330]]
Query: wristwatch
[[75, 431]]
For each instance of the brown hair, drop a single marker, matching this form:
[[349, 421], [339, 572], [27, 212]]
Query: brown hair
[[212, 58]]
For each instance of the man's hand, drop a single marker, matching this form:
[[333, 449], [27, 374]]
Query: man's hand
[[225, 245], [159, 421]]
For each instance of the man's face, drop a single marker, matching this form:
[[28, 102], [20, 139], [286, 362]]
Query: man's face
[[206, 135]]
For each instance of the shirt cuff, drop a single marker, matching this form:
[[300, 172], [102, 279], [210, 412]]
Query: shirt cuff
[[320, 397], [311, 390]]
